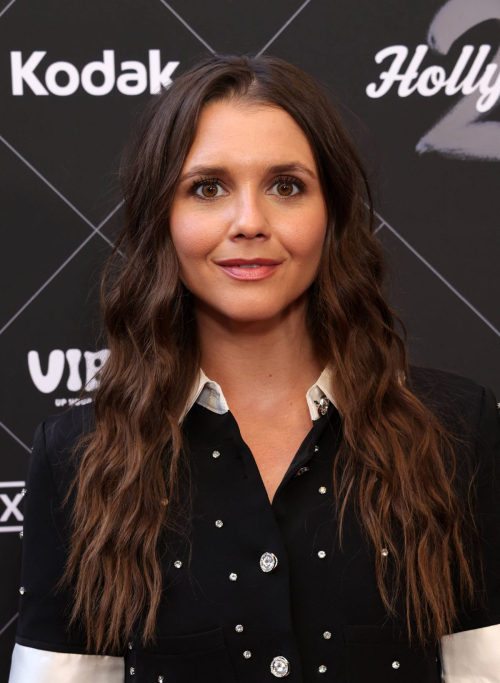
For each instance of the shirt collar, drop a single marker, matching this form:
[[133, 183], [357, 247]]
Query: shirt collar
[[208, 394]]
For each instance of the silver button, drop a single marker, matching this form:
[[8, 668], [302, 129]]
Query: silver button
[[130, 645], [321, 553], [177, 564], [280, 667], [21, 534], [395, 665], [22, 590], [24, 492], [322, 669], [132, 671], [268, 562], [219, 523], [316, 449], [301, 471], [160, 679], [238, 628], [215, 454], [327, 635], [247, 654], [384, 552], [233, 576], [322, 489]]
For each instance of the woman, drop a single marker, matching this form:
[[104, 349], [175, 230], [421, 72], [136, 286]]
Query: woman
[[263, 486]]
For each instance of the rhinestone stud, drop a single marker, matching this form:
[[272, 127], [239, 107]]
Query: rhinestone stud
[[216, 454], [268, 562], [238, 628], [316, 449], [322, 404], [301, 471], [177, 564], [280, 667], [384, 552], [132, 671], [396, 665], [160, 679], [247, 654], [327, 635], [219, 523], [321, 553], [233, 576], [22, 590], [130, 645], [24, 492], [322, 489], [322, 669], [21, 534]]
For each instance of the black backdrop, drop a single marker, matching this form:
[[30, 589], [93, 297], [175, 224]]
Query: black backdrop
[[419, 85]]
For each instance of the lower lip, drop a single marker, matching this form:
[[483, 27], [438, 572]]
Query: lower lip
[[259, 273]]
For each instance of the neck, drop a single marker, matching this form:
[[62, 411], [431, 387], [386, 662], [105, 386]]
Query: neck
[[259, 362]]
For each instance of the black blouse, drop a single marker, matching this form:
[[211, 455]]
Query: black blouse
[[269, 593]]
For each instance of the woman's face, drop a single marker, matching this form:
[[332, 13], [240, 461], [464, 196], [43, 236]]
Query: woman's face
[[248, 218]]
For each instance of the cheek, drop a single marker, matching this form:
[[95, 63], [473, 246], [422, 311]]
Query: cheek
[[304, 239], [193, 238]]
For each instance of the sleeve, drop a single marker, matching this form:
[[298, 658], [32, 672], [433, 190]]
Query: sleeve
[[45, 649], [472, 653]]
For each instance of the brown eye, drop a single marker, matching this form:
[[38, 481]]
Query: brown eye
[[287, 188], [209, 190]]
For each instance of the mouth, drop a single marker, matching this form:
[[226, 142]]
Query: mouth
[[249, 269]]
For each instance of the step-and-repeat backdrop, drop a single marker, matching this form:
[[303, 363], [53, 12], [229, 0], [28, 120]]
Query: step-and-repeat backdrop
[[418, 85]]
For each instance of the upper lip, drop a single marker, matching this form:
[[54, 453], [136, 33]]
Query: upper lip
[[248, 261]]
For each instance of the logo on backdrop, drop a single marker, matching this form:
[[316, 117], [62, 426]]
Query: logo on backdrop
[[61, 362], [461, 132], [11, 495], [35, 74]]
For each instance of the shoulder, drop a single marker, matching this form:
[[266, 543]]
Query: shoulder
[[456, 398], [55, 440]]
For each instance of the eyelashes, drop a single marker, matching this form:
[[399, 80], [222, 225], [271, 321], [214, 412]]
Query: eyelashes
[[282, 179]]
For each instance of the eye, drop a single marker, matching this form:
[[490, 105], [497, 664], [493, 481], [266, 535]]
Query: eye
[[208, 187], [286, 183]]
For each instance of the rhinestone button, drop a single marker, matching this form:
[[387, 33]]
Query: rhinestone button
[[327, 635], [215, 454], [395, 665], [130, 645], [247, 654], [22, 590], [322, 669], [322, 489], [219, 523], [301, 471], [268, 562], [316, 449], [160, 679], [385, 552], [321, 553], [177, 564], [233, 576], [21, 534], [280, 667], [24, 492], [238, 628], [132, 671]]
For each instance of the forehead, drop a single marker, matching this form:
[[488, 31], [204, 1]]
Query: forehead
[[247, 136]]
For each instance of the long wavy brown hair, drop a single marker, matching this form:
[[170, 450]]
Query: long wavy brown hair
[[397, 463]]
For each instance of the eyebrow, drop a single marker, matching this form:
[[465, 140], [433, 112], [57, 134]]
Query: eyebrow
[[221, 170]]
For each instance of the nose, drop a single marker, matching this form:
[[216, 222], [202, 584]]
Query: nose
[[249, 220]]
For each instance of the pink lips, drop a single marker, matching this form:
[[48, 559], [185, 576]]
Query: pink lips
[[249, 269]]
